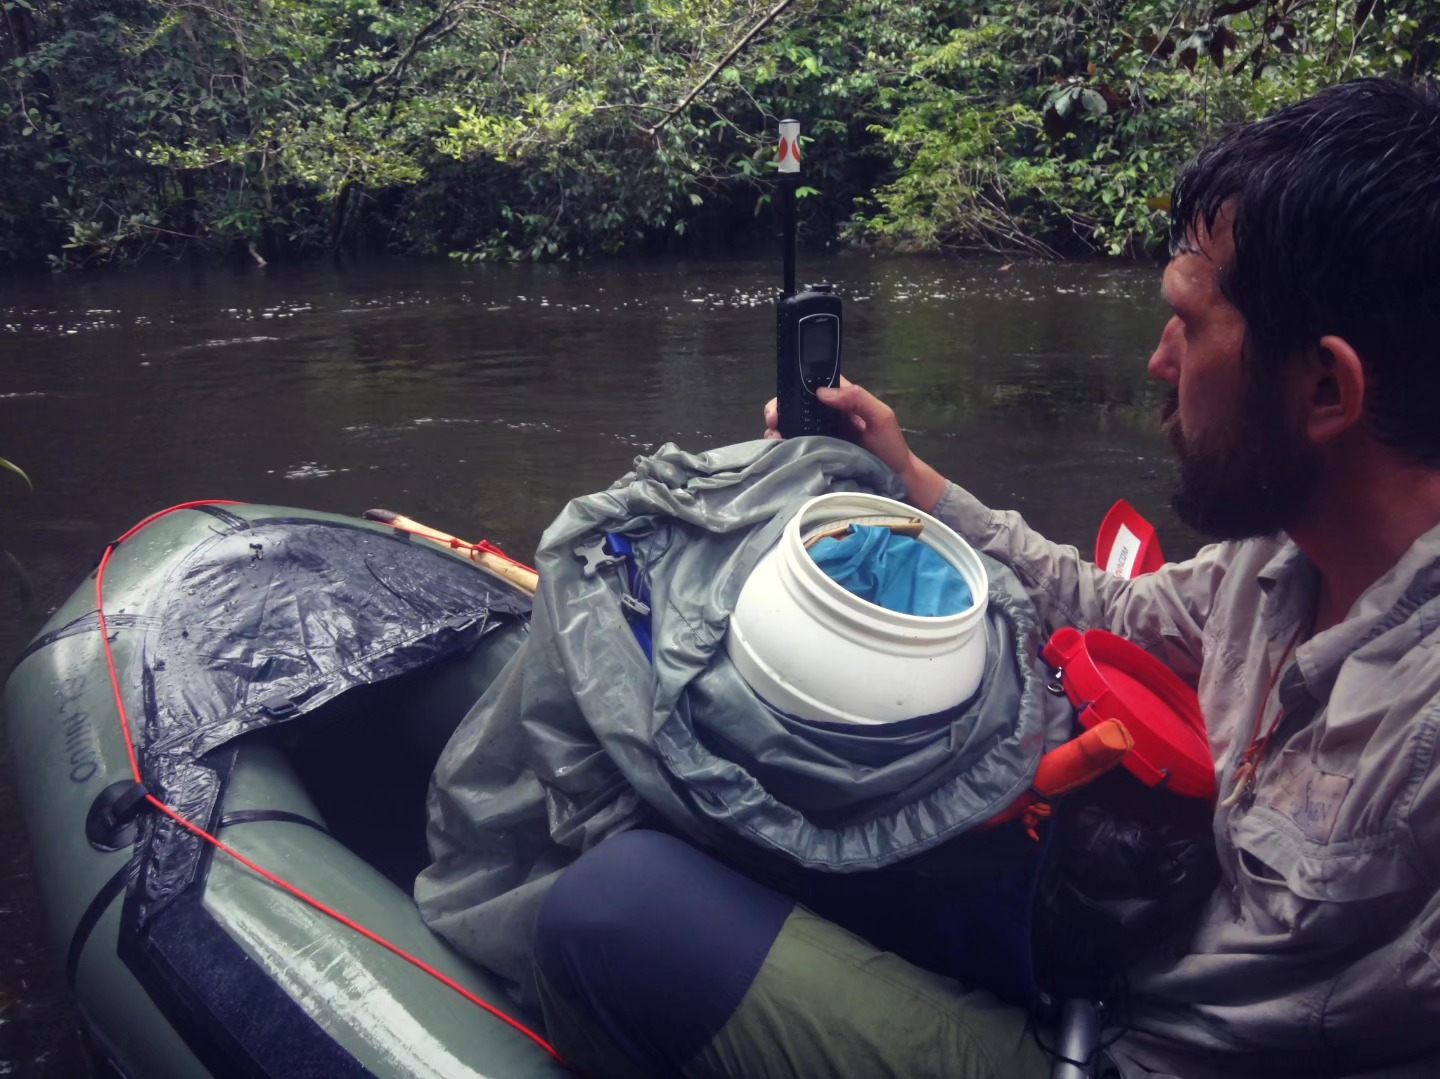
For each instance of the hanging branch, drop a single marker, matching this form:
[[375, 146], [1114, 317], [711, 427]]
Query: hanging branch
[[720, 65], [449, 19]]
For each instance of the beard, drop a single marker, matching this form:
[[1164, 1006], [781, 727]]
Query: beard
[[1255, 478]]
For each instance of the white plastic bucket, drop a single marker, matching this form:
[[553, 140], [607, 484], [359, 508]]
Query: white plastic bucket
[[815, 650]]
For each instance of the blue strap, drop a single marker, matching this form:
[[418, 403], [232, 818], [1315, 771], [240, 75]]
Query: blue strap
[[637, 588]]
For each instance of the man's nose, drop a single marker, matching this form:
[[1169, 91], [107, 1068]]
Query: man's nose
[[1165, 361]]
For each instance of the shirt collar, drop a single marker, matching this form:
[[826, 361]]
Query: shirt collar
[[1389, 602], [1290, 583]]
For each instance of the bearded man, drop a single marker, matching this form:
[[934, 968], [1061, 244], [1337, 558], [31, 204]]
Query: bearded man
[[1303, 350]]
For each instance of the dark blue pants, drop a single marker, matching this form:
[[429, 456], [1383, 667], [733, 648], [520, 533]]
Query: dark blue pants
[[656, 943]]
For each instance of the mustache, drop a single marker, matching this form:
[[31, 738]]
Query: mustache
[[1170, 424], [1170, 406]]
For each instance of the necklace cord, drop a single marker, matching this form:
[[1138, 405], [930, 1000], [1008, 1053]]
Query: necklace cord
[[1255, 751]]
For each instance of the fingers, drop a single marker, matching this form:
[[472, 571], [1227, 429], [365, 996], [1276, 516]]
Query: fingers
[[873, 422], [772, 421], [874, 426], [859, 403], [863, 410]]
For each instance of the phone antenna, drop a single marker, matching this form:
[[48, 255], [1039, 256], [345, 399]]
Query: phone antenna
[[789, 180]]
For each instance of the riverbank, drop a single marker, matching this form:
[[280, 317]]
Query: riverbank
[[535, 131]]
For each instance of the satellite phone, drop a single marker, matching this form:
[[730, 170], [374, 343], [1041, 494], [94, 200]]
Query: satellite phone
[[808, 324]]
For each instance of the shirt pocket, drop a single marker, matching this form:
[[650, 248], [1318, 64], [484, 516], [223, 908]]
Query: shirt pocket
[[1322, 895]]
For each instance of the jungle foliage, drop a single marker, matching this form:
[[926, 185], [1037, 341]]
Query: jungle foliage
[[510, 129]]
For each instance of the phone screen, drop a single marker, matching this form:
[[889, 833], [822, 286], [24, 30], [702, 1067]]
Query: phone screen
[[819, 339]]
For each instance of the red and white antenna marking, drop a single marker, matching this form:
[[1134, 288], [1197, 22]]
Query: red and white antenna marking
[[789, 146]]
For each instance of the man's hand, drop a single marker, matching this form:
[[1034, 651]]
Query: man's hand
[[873, 426]]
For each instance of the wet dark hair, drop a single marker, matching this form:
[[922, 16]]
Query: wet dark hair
[[1336, 204]]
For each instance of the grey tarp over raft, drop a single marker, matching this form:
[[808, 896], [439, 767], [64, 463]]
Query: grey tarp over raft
[[581, 738], [263, 620]]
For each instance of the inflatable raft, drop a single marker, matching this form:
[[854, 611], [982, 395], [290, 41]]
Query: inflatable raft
[[289, 678], [227, 734]]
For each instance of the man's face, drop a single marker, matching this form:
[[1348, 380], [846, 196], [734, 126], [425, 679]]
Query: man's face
[[1246, 468]]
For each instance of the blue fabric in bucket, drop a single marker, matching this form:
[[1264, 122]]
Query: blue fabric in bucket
[[896, 572]]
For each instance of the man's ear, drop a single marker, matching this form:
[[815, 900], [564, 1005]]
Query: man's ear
[[1335, 390]]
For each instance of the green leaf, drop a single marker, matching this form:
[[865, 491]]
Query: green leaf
[[12, 467]]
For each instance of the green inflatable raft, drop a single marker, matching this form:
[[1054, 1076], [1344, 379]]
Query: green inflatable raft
[[290, 678]]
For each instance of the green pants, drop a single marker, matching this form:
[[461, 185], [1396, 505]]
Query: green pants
[[826, 1003]]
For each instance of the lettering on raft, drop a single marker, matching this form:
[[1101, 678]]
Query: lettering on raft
[[82, 745]]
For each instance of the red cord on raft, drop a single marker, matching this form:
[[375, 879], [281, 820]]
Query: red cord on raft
[[231, 851], [486, 547]]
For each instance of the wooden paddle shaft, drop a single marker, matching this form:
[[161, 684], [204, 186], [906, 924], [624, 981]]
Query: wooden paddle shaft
[[522, 577], [912, 528]]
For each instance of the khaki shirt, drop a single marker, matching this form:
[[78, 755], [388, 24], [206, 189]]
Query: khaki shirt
[[1319, 953]]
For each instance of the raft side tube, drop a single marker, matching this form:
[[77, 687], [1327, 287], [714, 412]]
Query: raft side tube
[[387, 1017]]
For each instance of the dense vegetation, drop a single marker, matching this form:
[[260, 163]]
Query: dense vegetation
[[551, 128]]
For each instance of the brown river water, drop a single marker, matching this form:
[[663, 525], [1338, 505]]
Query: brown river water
[[480, 399]]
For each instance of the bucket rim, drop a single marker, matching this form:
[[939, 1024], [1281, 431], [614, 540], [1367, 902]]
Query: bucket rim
[[959, 555]]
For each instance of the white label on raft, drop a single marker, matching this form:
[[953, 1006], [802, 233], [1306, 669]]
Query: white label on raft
[[1123, 554]]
